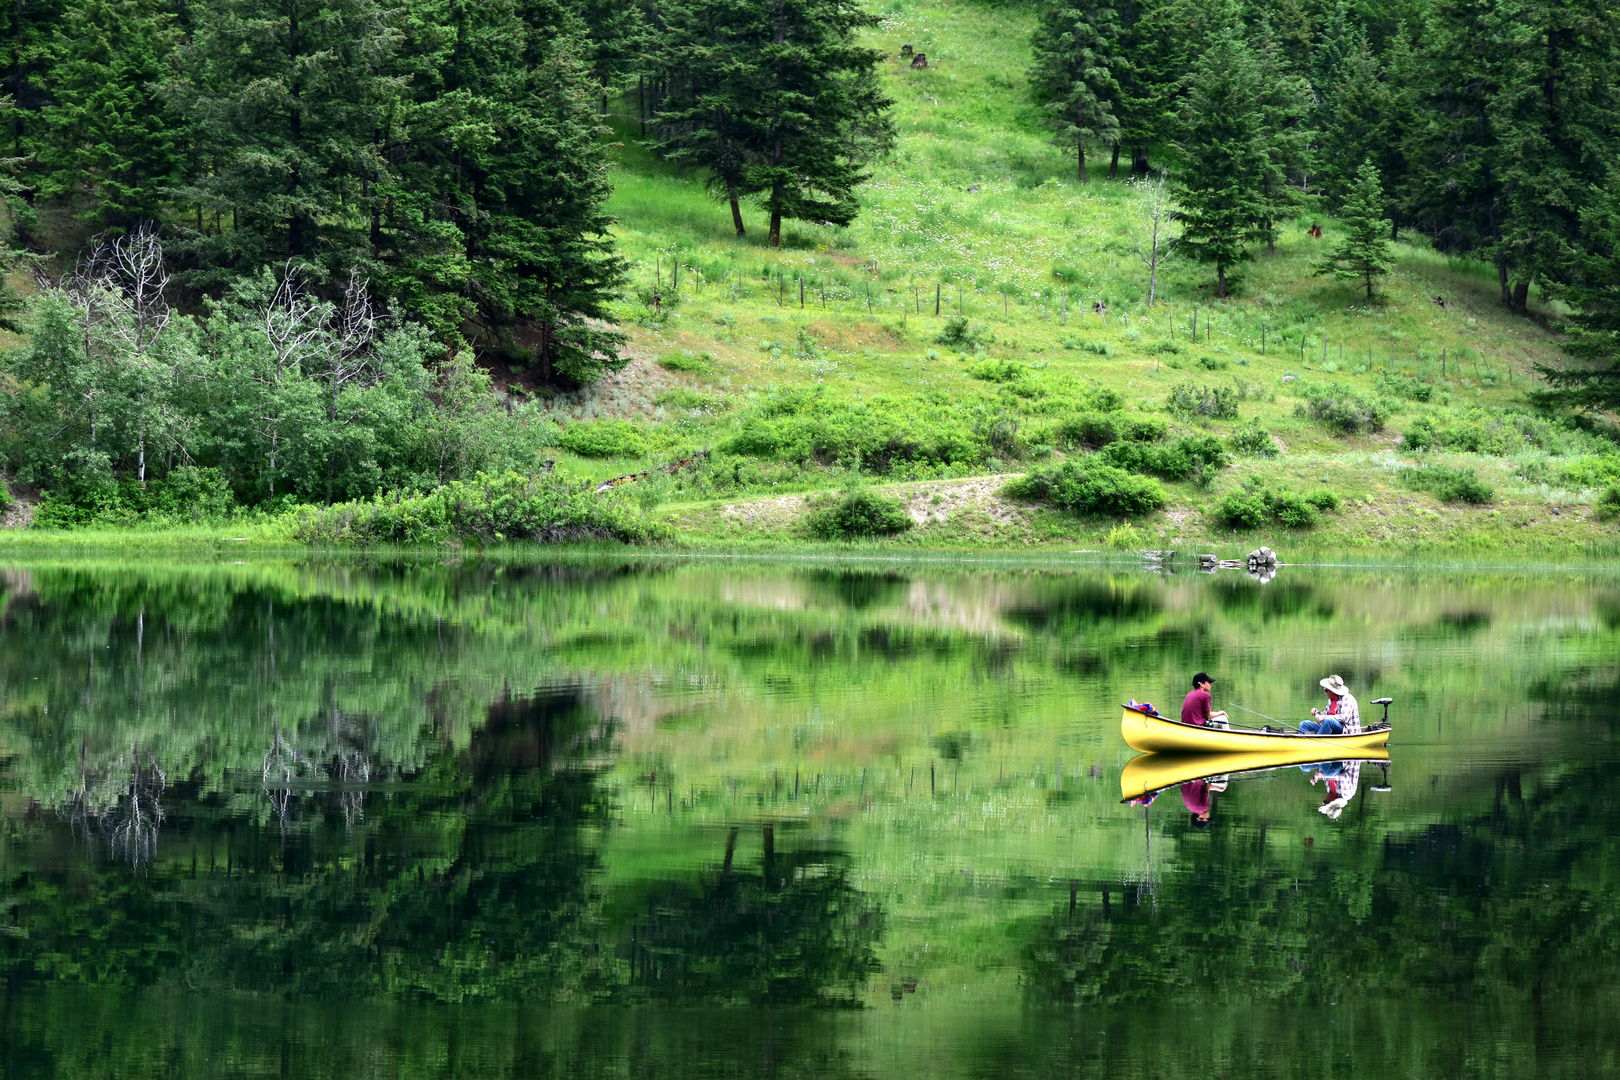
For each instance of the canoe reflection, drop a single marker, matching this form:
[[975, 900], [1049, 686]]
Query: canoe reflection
[[1146, 775]]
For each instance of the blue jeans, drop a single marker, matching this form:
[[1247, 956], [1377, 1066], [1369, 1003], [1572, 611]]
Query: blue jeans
[[1326, 768], [1325, 726]]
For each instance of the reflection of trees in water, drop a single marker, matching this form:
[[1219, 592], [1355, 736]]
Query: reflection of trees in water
[[116, 808], [336, 748], [793, 932]]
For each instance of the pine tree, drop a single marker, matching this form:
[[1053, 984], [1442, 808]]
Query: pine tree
[[524, 174], [1592, 332], [618, 39], [821, 115], [706, 119], [1152, 74], [1365, 254], [1220, 187], [1285, 105], [111, 141], [1072, 76], [289, 96]]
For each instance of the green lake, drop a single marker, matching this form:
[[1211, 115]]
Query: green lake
[[755, 818]]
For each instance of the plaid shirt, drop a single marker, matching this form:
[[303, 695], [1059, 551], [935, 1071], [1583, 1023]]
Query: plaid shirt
[[1348, 713]]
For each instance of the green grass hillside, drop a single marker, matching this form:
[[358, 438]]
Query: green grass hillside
[[788, 363]]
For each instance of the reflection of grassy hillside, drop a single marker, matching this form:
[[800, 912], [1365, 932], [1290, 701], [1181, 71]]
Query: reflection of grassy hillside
[[954, 732]]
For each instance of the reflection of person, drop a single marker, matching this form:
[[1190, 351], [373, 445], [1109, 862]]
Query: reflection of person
[[1342, 778], [1343, 715], [1195, 795], [1195, 709]]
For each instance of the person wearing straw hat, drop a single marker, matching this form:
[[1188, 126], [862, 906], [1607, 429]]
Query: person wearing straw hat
[[1342, 716]]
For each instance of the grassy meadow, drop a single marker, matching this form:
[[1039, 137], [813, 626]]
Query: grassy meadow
[[978, 214]]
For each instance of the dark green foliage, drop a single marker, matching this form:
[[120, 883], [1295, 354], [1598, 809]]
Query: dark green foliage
[[958, 333], [1365, 254], [602, 439], [1448, 484], [1142, 428], [1088, 488], [487, 509], [1402, 386], [1342, 409], [1191, 402], [1161, 348], [1221, 188], [883, 433], [1494, 431], [858, 514], [1088, 430], [1254, 440], [1254, 506], [1607, 505], [1075, 52], [1178, 460], [1590, 382], [687, 362]]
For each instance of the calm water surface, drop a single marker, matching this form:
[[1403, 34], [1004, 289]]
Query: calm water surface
[[372, 820]]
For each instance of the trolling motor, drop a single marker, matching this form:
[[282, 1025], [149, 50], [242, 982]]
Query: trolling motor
[[1383, 767], [1385, 702]]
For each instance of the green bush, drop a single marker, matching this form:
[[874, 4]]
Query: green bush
[[1290, 510], [1322, 499], [1213, 363], [1191, 402], [1254, 440], [1101, 348], [1607, 506], [1592, 471], [680, 397], [1087, 429], [602, 439], [487, 509], [1402, 386], [1420, 435], [1087, 488], [687, 362], [1342, 409], [884, 432], [1242, 509], [1162, 348], [998, 371], [6, 499], [1173, 461], [858, 514], [1143, 429], [957, 334], [1448, 484], [1496, 431], [1254, 506]]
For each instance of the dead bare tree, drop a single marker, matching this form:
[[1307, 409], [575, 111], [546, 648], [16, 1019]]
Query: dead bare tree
[[1150, 228]]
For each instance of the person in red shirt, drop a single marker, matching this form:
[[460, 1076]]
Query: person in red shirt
[[1195, 710]]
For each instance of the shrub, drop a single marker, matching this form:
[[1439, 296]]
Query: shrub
[[1212, 363], [1402, 386], [1254, 506], [1101, 348], [487, 509], [1448, 484], [1608, 504], [1594, 471], [957, 334], [1322, 499], [1143, 429], [680, 397], [602, 439], [1173, 461], [857, 514], [688, 362], [806, 426], [1088, 429], [1192, 402], [998, 371], [1254, 440], [1420, 434], [1342, 409], [1162, 348], [1088, 488]]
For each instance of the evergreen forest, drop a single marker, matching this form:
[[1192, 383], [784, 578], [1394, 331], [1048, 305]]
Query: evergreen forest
[[347, 272]]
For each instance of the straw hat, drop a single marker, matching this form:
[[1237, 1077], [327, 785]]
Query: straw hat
[[1333, 809], [1335, 686]]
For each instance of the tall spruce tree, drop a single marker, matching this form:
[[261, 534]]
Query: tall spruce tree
[[524, 177], [1155, 47], [1220, 186], [821, 116], [1591, 287], [1285, 105], [1365, 253], [288, 95], [706, 119], [1076, 47], [111, 141]]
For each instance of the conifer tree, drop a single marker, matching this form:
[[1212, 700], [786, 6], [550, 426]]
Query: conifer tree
[[288, 95], [1072, 77], [821, 115], [1285, 104], [1591, 382], [1152, 74], [706, 118], [1220, 187], [1365, 253], [111, 139]]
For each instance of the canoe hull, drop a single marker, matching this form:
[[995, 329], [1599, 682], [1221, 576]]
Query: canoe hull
[[1154, 772], [1162, 735]]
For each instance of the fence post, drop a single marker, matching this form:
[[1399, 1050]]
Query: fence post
[[937, 287]]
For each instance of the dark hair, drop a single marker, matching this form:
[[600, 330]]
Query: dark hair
[[1201, 677], [1200, 823]]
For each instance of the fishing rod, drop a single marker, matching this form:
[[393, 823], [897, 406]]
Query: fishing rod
[[1261, 715]]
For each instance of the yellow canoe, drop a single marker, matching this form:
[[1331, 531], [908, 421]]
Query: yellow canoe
[[1162, 735], [1148, 773]]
